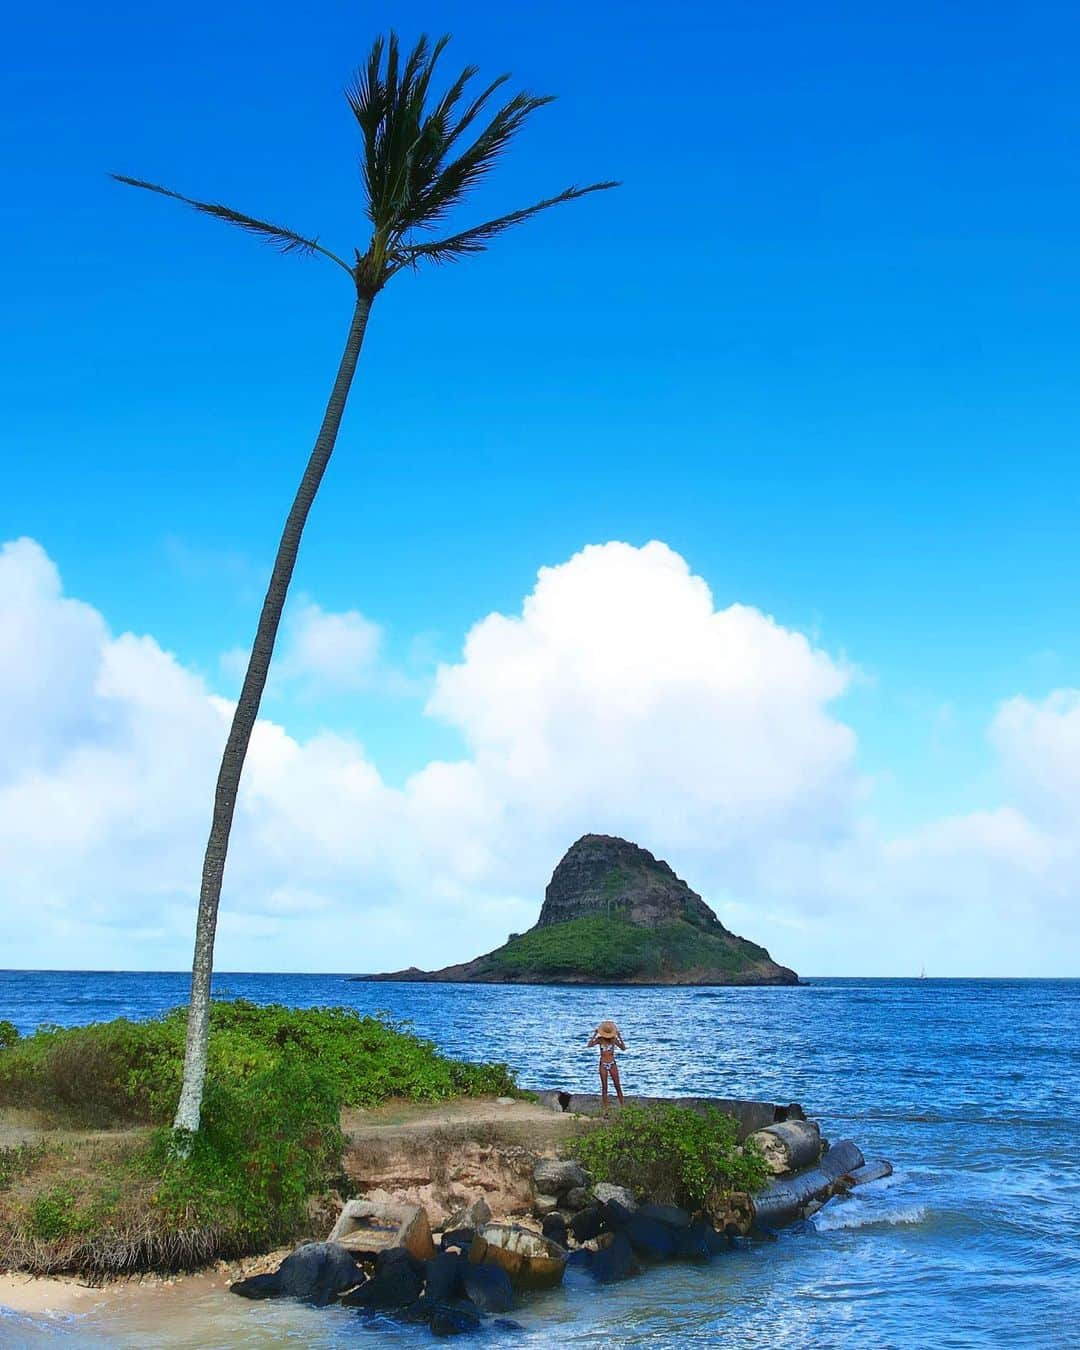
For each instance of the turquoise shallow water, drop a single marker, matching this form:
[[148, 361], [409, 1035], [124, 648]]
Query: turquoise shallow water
[[969, 1086]]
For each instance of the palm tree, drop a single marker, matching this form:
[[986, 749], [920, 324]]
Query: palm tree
[[417, 165]]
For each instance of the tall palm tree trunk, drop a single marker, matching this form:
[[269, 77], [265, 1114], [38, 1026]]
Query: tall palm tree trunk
[[247, 709]]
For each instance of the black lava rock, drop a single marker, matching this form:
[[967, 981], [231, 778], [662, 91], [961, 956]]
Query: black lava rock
[[258, 1286], [396, 1258], [670, 1215], [650, 1238], [614, 1262], [588, 1223], [443, 1276], [488, 1287], [454, 1319], [317, 1272], [615, 1215], [395, 1287], [699, 1242], [554, 1228]]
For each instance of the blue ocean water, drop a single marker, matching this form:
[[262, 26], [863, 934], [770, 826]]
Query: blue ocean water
[[968, 1086]]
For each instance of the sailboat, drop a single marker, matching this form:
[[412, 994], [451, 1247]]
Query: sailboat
[[922, 973]]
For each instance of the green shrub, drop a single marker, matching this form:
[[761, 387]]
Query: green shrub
[[9, 1034], [54, 1215], [267, 1143], [672, 1153], [126, 1072]]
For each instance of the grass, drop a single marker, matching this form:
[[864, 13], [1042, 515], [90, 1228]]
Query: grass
[[270, 1142], [611, 949]]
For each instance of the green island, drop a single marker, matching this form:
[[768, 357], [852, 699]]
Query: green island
[[614, 950], [615, 914]]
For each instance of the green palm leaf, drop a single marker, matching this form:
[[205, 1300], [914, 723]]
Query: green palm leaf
[[284, 240]]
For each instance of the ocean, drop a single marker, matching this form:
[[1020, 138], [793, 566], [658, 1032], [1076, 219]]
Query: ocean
[[970, 1087]]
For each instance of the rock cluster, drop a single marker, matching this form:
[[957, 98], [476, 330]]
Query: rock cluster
[[383, 1259], [384, 1262]]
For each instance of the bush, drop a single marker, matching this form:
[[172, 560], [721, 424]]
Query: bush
[[53, 1214], [266, 1144], [123, 1072], [672, 1154], [9, 1034]]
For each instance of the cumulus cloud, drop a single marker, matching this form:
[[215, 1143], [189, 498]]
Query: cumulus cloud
[[321, 650], [619, 699]]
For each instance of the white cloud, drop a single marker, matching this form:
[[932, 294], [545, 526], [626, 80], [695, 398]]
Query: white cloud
[[619, 699], [334, 650]]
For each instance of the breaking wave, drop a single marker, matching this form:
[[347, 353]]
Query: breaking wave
[[831, 1220]]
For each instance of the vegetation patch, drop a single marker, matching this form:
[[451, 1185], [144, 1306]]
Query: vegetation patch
[[123, 1072], [613, 949], [672, 1154], [270, 1142]]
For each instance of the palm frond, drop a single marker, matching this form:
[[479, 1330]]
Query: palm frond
[[454, 182], [278, 236], [477, 238]]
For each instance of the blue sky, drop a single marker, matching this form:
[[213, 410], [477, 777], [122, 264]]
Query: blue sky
[[823, 343]]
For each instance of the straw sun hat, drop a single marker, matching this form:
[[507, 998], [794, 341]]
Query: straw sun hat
[[607, 1030]]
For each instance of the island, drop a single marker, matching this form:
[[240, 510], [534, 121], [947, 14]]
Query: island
[[614, 914]]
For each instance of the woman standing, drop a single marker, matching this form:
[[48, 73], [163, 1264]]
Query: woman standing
[[607, 1036]]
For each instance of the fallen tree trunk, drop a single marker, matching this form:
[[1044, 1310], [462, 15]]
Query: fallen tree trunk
[[786, 1199]]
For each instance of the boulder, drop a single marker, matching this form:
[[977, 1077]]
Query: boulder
[[474, 1215], [554, 1228], [444, 1276], [317, 1272], [258, 1286], [699, 1242], [650, 1237], [454, 1319], [370, 1226], [614, 1261], [544, 1204], [393, 1257], [616, 1215], [672, 1216], [577, 1198], [489, 1288], [397, 1285], [604, 1190], [789, 1145], [556, 1176], [461, 1238], [588, 1223]]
